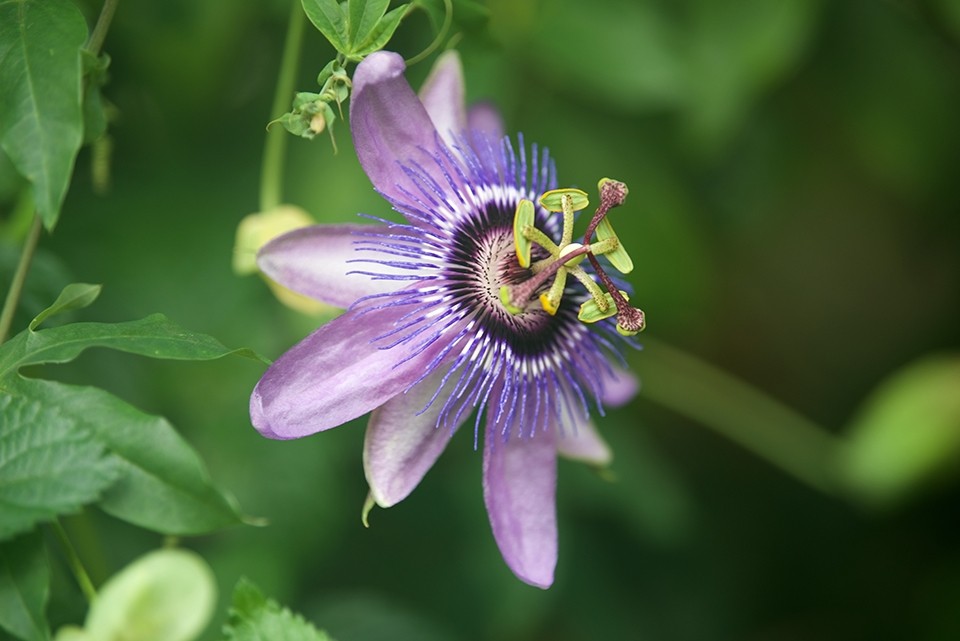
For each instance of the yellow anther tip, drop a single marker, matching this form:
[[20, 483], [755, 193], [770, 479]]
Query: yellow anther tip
[[548, 305]]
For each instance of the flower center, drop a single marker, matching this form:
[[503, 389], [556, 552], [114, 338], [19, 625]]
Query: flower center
[[564, 259]]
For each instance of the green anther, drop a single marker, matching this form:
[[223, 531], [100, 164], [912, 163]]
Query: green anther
[[590, 311], [553, 200], [550, 301], [619, 257], [523, 218], [507, 303]]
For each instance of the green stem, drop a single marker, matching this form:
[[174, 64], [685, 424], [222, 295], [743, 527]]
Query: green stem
[[447, 21], [76, 566], [103, 25], [19, 277], [274, 149], [699, 391]]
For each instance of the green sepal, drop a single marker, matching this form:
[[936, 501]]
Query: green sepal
[[553, 200], [524, 217], [590, 311], [619, 257]]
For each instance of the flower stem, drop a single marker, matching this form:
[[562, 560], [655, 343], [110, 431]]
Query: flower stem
[[76, 566], [699, 391], [19, 277], [275, 146], [103, 25]]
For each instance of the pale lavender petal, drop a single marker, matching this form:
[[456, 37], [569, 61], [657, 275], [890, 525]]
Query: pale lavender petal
[[334, 375], [519, 489], [313, 261], [402, 443], [390, 125], [485, 118], [620, 387], [581, 442], [442, 94]]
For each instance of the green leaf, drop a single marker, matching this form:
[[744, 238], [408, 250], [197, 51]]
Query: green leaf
[[41, 120], [153, 336], [24, 587], [327, 16], [163, 484], [362, 17], [907, 433], [73, 296], [166, 595], [253, 617], [381, 34], [49, 465]]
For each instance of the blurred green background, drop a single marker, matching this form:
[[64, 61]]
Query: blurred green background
[[795, 219]]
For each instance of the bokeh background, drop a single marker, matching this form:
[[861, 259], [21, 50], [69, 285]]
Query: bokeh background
[[794, 217]]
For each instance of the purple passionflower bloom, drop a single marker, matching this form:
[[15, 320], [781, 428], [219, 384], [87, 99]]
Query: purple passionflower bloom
[[426, 340]]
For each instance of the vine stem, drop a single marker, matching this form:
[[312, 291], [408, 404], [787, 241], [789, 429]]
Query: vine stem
[[103, 25], [275, 145], [19, 277], [73, 560], [447, 21], [745, 415]]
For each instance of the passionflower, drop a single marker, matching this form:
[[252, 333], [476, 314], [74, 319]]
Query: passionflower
[[463, 310]]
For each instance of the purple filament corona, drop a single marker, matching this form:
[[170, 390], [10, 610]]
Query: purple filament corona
[[532, 369]]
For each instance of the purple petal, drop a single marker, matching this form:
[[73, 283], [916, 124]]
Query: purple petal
[[582, 442], [485, 118], [389, 124], [334, 375], [519, 489], [620, 387], [442, 94], [313, 261], [402, 444]]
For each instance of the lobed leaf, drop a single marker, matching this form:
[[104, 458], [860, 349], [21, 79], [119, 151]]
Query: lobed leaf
[[49, 465], [362, 17], [24, 587], [41, 119], [381, 33], [162, 484], [254, 617], [328, 17], [153, 336]]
